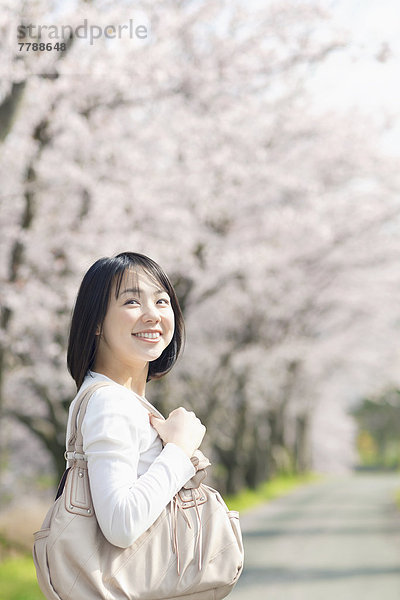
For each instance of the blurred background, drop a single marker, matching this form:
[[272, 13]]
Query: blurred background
[[252, 149]]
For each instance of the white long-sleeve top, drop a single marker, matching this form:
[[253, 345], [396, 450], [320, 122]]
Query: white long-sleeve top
[[132, 477]]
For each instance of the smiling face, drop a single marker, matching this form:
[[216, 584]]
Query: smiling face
[[138, 326]]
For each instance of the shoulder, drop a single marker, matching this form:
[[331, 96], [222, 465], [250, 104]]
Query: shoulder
[[116, 399], [113, 402]]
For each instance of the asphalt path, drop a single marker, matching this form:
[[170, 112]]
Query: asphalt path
[[338, 539]]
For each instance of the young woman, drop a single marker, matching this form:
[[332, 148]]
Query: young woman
[[127, 328]]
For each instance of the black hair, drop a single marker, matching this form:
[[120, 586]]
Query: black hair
[[91, 307]]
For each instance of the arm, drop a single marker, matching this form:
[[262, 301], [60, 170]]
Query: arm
[[115, 430]]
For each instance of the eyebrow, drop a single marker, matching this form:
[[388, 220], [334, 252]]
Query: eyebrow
[[137, 291]]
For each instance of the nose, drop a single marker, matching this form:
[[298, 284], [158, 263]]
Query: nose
[[151, 314]]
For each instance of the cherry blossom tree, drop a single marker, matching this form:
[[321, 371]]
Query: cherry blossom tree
[[198, 147]]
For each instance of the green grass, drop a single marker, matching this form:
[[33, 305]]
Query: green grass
[[18, 580], [18, 576], [279, 486]]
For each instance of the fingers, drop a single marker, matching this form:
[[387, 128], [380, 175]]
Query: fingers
[[155, 421], [182, 410], [182, 428], [154, 418]]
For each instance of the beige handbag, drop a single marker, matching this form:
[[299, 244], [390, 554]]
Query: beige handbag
[[192, 551]]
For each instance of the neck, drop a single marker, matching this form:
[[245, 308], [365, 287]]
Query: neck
[[134, 379], [136, 385]]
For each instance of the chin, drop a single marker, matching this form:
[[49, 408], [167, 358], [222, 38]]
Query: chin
[[154, 355]]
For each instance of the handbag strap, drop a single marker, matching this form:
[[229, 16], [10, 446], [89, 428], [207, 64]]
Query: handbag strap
[[152, 410], [75, 441]]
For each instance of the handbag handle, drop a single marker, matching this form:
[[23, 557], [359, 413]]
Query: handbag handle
[[75, 441]]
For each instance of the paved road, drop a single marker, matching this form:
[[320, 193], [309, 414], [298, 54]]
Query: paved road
[[334, 540]]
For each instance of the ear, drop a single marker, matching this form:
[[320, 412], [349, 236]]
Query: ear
[[98, 330]]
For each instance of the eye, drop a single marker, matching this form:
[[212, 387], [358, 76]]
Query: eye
[[163, 301], [132, 301]]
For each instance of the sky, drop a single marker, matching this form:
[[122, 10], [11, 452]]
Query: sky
[[366, 74]]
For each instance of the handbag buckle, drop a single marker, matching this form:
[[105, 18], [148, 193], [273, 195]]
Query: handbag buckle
[[75, 455]]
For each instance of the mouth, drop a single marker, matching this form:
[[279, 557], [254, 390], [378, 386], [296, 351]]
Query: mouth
[[148, 336]]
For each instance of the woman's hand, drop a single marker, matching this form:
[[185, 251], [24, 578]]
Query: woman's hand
[[182, 428]]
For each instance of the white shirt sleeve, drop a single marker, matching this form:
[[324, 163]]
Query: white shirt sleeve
[[115, 431]]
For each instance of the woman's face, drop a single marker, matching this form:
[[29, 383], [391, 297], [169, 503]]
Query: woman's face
[[139, 324]]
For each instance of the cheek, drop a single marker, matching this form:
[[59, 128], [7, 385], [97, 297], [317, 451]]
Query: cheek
[[171, 323], [116, 323]]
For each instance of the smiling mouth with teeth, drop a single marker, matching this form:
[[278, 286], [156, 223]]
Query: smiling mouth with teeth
[[149, 336]]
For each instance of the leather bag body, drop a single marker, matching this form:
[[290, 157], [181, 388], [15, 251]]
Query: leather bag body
[[193, 550]]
